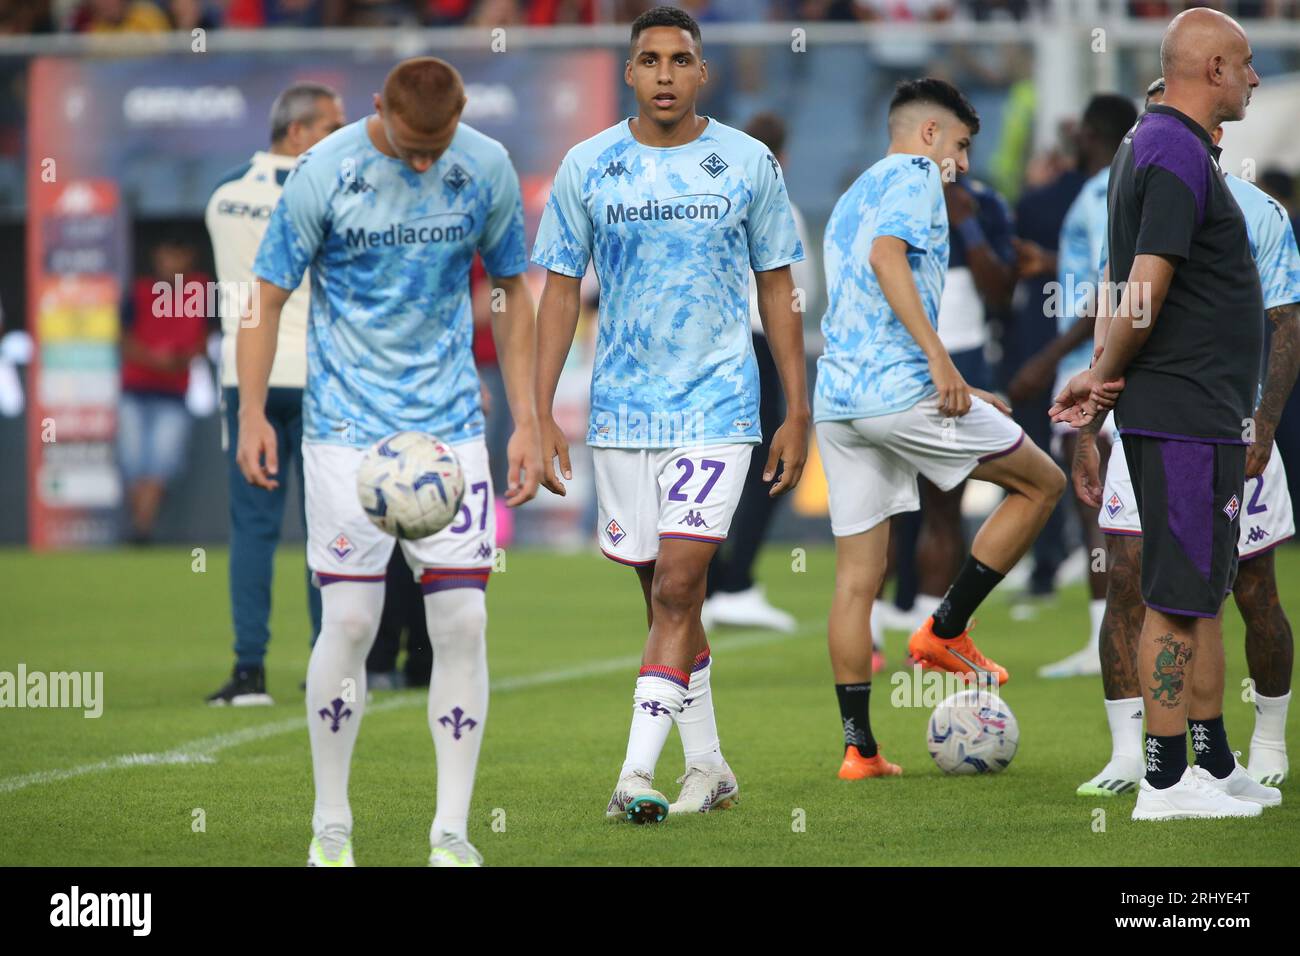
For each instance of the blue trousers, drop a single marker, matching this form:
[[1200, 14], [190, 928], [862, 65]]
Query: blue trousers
[[256, 515]]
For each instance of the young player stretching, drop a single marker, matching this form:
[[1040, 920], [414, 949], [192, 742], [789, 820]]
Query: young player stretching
[[676, 209], [890, 404], [388, 213]]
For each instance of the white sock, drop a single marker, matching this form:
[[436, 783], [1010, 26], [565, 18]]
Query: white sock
[[1125, 718], [925, 605], [336, 692], [458, 698], [655, 705], [696, 723], [1270, 718], [1096, 611]]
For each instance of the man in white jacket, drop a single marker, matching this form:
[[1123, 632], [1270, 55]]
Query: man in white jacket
[[237, 215]]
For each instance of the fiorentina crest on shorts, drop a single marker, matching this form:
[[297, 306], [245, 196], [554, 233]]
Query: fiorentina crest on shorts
[[1232, 507], [1114, 505], [615, 531], [341, 546]]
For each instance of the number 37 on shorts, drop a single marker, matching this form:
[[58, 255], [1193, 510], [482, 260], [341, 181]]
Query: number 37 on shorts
[[644, 494]]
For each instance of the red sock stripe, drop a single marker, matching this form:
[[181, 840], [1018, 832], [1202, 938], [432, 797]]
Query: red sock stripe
[[667, 673], [701, 660]]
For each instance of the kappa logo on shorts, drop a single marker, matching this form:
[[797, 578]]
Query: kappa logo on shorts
[[1231, 508], [1114, 505], [1256, 534], [615, 531], [341, 547], [694, 519]]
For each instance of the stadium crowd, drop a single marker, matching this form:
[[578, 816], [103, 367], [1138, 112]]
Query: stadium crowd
[[153, 16]]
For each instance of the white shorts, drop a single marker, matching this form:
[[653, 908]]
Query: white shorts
[[644, 494], [343, 545], [1266, 520], [872, 463]]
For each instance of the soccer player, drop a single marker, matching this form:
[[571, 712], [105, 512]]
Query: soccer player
[[676, 209], [388, 213], [1185, 380], [237, 214], [1107, 117], [1269, 650], [890, 405]]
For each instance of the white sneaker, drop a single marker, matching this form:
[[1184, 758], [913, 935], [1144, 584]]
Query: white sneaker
[[331, 847], [1242, 786], [894, 618], [1268, 763], [705, 789], [635, 799], [1084, 663], [749, 609], [449, 849], [1190, 798], [1121, 775]]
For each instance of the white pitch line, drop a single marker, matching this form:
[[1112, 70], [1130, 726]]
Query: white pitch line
[[205, 749]]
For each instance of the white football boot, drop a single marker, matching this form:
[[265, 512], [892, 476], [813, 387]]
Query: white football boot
[[748, 609], [331, 847], [1084, 663], [452, 850], [705, 789], [1242, 785], [1268, 763], [1121, 775], [636, 800], [1190, 798]]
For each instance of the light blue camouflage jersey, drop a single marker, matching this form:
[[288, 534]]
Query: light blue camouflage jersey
[[1083, 236], [871, 365], [390, 331], [1272, 246], [674, 233]]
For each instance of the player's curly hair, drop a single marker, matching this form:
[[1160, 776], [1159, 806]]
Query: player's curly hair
[[667, 17], [937, 92]]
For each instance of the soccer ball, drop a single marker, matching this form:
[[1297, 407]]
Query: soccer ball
[[973, 731], [410, 484]]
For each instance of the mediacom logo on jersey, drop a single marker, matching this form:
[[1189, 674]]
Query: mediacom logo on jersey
[[404, 234], [689, 206]]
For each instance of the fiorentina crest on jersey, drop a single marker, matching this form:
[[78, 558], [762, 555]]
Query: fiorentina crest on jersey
[[615, 531], [714, 165], [1232, 507], [1114, 505]]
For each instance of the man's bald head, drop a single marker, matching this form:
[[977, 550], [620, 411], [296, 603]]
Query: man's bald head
[[1206, 60], [426, 92]]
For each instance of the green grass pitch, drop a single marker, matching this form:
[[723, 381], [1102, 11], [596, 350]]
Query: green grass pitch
[[565, 633]]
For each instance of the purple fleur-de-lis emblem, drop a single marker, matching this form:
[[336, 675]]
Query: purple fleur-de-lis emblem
[[654, 708], [335, 713], [456, 723]]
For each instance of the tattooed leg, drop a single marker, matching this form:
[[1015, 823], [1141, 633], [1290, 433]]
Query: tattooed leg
[[1269, 649], [1123, 621], [1164, 655]]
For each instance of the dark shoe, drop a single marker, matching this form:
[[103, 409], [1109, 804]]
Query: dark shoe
[[246, 688]]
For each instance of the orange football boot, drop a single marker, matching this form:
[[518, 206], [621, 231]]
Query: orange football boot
[[858, 767], [957, 656]]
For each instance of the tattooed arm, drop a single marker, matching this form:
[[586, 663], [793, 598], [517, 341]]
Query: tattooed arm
[[1283, 364]]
